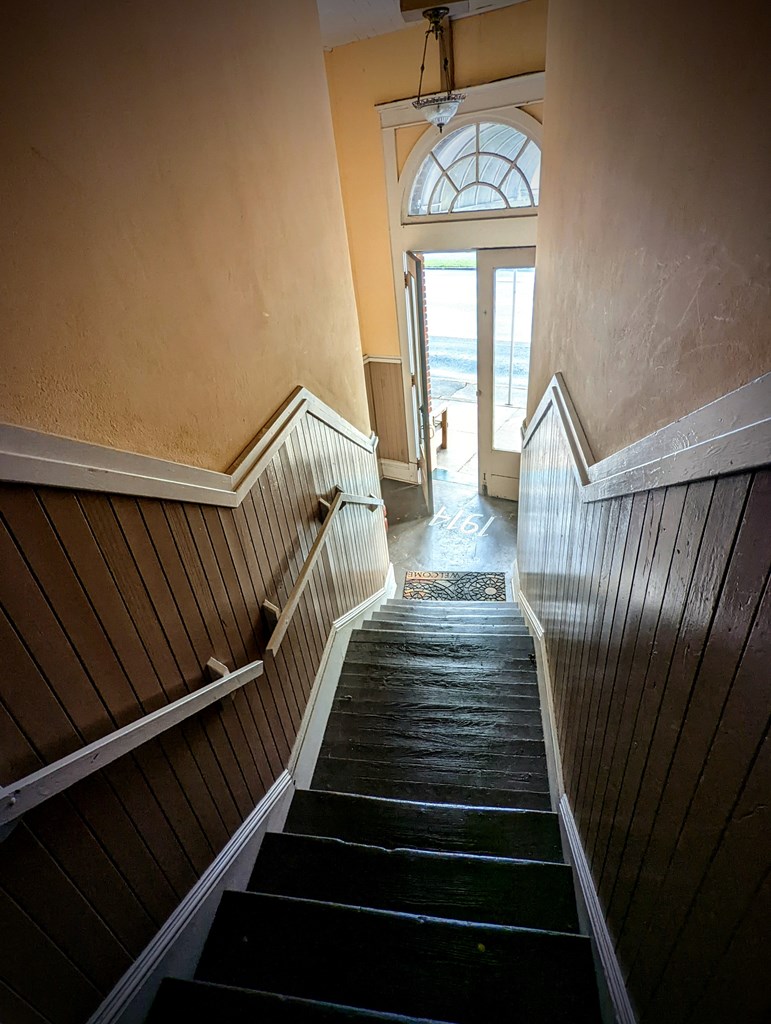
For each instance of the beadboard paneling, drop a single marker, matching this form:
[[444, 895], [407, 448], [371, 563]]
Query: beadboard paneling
[[386, 399], [110, 607], [655, 609]]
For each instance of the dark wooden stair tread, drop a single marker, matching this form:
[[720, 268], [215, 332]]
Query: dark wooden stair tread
[[395, 824], [205, 1002], [338, 772], [494, 890], [447, 970]]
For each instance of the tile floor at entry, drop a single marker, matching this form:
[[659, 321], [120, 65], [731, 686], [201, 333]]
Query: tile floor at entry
[[416, 544]]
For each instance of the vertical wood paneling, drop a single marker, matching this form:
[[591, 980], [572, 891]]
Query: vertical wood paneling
[[386, 396], [110, 607], [656, 614]]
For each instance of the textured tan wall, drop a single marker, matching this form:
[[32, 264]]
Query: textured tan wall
[[510, 41], [174, 257], [654, 255]]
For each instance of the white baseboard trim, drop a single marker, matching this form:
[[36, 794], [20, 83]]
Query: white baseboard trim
[[177, 946], [553, 757], [405, 472], [619, 997], [590, 909]]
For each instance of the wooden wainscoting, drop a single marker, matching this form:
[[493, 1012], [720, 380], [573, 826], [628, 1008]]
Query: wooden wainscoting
[[110, 607], [655, 610], [385, 392]]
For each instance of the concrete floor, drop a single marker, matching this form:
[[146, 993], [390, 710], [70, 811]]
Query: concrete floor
[[448, 541]]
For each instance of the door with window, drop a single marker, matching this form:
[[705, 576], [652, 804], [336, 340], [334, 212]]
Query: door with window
[[505, 290], [416, 333]]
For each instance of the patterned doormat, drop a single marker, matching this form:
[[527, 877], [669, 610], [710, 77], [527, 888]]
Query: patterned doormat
[[455, 586]]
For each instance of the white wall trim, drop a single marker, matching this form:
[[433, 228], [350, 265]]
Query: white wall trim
[[516, 91], [175, 949], [614, 979], [382, 359], [406, 472], [545, 693], [34, 457], [130, 1000], [594, 917], [729, 435]]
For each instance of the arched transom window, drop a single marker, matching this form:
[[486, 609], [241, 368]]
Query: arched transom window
[[479, 167]]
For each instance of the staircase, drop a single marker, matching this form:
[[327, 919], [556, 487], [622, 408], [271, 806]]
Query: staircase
[[421, 878]]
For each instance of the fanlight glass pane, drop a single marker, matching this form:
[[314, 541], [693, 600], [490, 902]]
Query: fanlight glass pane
[[443, 196], [457, 144], [501, 138], [428, 175], [515, 190], [479, 197], [492, 169], [530, 164], [485, 166], [463, 171]]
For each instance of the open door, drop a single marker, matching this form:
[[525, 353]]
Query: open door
[[416, 330], [505, 289]]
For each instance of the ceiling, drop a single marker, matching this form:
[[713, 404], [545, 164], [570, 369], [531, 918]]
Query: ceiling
[[344, 21]]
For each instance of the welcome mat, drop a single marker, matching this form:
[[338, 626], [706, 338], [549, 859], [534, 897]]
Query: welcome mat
[[455, 586]]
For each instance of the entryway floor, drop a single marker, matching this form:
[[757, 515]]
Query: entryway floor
[[448, 540]]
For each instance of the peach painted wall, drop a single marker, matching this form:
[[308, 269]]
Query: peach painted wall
[[174, 257], [510, 41], [654, 250]]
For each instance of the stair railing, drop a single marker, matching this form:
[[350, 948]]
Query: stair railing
[[34, 789], [280, 618]]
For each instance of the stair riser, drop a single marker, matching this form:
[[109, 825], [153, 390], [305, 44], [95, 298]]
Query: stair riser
[[447, 794], [463, 729], [518, 756], [337, 774], [532, 835], [387, 629]]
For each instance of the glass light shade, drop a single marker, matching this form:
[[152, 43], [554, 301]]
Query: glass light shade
[[438, 110]]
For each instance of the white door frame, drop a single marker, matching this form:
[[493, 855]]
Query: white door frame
[[498, 469], [500, 101]]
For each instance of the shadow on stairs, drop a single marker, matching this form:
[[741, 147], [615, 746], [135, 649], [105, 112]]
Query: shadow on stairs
[[421, 877]]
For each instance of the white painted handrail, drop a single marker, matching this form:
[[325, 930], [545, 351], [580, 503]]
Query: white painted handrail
[[34, 789], [284, 617]]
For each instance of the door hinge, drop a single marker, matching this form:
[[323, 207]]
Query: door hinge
[[412, 379], [406, 279]]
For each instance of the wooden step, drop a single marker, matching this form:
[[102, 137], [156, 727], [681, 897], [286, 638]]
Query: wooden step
[[493, 890], [392, 824], [443, 647], [517, 756], [468, 679], [342, 774], [400, 963], [400, 656], [467, 728], [359, 695], [370, 784], [203, 1002], [494, 607], [415, 615], [380, 628]]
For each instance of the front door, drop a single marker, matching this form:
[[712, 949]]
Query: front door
[[505, 286], [416, 332]]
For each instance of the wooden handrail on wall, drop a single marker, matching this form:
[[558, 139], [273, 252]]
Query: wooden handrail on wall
[[34, 789], [282, 617]]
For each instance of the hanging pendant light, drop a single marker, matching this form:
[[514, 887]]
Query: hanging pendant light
[[438, 109]]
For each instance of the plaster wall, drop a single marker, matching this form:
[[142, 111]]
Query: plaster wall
[[654, 251], [499, 44], [175, 258]]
